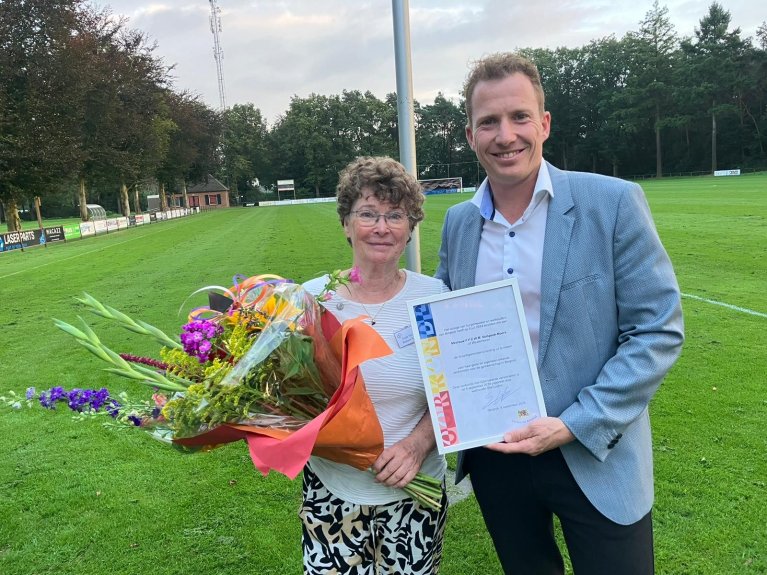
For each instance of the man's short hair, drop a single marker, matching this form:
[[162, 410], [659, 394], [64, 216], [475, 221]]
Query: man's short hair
[[497, 67]]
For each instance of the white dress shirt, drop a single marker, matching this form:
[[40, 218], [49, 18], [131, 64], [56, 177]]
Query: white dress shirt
[[516, 249]]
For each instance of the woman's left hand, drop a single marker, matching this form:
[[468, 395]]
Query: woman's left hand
[[398, 465]]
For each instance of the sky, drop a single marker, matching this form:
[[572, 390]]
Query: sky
[[276, 49]]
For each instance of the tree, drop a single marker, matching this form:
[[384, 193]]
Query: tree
[[126, 130], [144, 127], [194, 136], [761, 35], [561, 79], [714, 61], [603, 74], [244, 146], [304, 146], [363, 122], [36, 87], [649, 91], [440, 137]]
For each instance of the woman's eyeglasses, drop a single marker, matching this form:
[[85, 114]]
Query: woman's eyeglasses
[[369, 218]]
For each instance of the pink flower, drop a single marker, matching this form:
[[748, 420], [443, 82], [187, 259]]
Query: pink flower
[[355, 276], [159, 399], [326, 296]]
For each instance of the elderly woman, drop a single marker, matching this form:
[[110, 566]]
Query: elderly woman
[[355, 521]]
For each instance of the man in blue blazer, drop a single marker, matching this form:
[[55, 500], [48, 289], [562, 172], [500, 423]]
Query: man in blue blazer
[[603, 311]]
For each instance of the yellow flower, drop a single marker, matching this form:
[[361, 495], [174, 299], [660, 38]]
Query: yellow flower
[[277, 307]]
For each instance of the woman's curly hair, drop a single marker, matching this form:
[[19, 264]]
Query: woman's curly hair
[[386, 179]]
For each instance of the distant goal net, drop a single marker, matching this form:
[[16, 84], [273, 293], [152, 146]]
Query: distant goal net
[[441, 186]]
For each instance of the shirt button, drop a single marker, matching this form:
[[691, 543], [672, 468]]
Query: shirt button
[[510, 271], [512, 234]]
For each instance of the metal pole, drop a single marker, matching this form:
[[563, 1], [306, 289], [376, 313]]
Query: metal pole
[[401, 18]]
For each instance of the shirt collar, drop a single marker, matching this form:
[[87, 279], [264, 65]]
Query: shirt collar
[[483, 197]]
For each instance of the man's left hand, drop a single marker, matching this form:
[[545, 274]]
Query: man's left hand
[[539, 436]]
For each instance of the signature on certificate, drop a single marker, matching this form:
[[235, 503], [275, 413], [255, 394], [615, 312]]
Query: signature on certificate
[[497, 397]]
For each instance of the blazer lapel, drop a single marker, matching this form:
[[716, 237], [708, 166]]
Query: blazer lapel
[[559, 227], [468, 248]]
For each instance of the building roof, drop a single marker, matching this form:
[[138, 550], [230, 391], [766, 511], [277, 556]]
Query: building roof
[[210, 184]]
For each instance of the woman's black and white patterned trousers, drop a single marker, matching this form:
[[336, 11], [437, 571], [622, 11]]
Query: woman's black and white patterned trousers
[[341, 538]]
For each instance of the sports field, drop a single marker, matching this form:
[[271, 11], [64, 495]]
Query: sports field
[[76, 498]]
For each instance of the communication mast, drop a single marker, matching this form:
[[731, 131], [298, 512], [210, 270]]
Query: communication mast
[[218, 53]]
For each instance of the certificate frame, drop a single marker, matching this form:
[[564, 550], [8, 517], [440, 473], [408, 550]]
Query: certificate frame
[[477, 363]]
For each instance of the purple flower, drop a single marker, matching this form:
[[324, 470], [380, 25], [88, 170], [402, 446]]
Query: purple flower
[[113, 408], [99, 398], [77, 399], [46, 401], [135, 420], [30, 393], [197, 337], [49, 397]]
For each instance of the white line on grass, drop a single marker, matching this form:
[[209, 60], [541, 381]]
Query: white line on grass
[[727, 305], [82, 254]]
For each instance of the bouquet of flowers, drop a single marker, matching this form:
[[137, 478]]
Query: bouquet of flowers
[[261, 363]]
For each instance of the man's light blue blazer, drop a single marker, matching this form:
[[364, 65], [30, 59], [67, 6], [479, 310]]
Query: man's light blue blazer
[[611, 327]]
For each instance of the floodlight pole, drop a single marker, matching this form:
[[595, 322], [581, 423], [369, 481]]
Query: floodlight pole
[[401, 18]]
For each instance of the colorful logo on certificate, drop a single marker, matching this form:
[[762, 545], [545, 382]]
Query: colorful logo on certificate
[[443, 407]]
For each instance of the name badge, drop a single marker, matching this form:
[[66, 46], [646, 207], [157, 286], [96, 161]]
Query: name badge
[[404, 336]]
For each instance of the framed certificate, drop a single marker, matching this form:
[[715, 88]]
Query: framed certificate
[[477, 363]]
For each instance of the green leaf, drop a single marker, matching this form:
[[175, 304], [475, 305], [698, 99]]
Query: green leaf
[[70, 329]]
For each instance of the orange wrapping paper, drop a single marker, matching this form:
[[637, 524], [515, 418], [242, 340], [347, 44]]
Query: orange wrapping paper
[[346, 432]]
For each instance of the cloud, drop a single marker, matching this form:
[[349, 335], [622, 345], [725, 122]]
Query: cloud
[[275, 49]]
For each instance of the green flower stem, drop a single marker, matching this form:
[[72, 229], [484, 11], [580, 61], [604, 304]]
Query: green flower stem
[[90, 341], [424, 489], [424, 500], [425, 495], [428, 480], [127, 322]]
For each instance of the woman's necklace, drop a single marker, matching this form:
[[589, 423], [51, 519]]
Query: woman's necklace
[[373, 317]]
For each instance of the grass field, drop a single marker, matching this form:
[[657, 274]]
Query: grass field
[[78, 499]]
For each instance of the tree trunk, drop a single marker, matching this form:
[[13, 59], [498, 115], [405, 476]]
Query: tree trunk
[[593, 163], [183, 192], [163, 199], [713, 140], [83, 197], [615, 167], [564, 157], [13, 221], [124, 203], [136, 199], [756, 127], [658, 155], [39, 216]]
